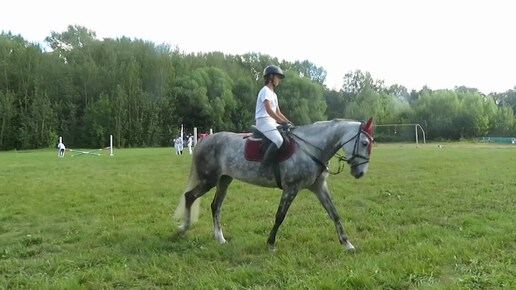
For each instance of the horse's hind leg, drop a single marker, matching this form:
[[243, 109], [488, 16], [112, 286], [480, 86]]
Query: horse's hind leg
[[222, 187], [190, 196], [323, 194]]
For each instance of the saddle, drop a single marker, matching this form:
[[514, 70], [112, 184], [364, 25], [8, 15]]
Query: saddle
[[257, 143]]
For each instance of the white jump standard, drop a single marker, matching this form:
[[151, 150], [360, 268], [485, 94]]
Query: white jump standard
[[94, 152]]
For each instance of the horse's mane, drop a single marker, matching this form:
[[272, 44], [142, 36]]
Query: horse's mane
[[316, 127], [333, 120]]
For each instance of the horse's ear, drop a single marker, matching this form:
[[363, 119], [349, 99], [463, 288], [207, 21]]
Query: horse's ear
[[368, 126]]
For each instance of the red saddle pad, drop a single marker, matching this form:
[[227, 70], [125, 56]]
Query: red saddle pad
[[253, 152]]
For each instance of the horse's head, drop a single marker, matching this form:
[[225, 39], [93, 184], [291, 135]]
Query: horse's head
[[357, 148]]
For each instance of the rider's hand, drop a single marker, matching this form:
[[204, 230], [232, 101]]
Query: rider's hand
[[285, 126]]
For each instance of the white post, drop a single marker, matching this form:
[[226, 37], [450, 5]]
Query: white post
[[110, 145], [195, 135], [60, 139], [181, 131], [415, 128], [211, 131]]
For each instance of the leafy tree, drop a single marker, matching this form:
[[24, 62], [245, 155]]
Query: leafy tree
[[301, 99], [205, 99], [309, 70], [244, 91], [504, 124], [37, 123], [66, 43], [98, 119], [356, 81], [395, 110], [399, 92], [507, 98], [335, 104], [120, 114], [7, 113], [86, 89], [437, 111], [472, 119]]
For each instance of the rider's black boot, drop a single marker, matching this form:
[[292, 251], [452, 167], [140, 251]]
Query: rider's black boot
[[271, 154]]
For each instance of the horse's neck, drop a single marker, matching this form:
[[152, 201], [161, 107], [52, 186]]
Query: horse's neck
[[329, 136]]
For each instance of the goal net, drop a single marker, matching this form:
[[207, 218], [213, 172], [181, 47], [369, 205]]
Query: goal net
[[402, 133]]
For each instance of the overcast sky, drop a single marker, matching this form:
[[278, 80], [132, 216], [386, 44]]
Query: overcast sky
[[438, 43]]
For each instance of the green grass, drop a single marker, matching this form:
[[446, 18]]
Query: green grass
[[422, 218]]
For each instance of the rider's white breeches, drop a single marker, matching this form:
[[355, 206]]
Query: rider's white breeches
[[267, 126]]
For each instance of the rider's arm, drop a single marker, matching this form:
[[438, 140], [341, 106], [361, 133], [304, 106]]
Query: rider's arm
[[278, 112], [276, 115]]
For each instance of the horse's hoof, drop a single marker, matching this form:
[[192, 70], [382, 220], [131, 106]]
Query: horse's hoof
[[271, 247], [349, 247], [181, 229]]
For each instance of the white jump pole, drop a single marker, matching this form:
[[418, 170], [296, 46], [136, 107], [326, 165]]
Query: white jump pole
[[211, 131], [110, 145]]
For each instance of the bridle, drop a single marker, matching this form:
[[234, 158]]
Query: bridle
[[341, 158], [355, 153]]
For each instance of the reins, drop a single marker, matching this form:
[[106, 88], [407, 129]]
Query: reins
[[341, 158], [324, 166]]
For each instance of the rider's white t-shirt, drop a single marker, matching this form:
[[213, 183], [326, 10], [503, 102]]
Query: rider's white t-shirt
[[265, 94], [265, 123]]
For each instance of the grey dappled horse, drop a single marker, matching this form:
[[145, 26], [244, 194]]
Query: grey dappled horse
[[218, 158]]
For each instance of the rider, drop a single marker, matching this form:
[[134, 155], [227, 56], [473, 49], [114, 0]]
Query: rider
[[268, 114]]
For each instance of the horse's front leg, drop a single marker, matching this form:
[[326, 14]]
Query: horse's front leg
[[289, 193], [222, 187], [323, 194]]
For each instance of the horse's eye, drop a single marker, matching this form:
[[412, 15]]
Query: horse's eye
[[365, 143]]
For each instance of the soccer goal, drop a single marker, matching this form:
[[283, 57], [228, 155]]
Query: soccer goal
[[399, 133]]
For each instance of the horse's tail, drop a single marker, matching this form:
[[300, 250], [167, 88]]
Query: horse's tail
[[193, 179]]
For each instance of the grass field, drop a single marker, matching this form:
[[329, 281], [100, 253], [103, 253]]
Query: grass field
[[422, 218]]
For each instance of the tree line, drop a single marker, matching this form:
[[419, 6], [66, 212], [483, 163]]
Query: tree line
[[85, 89]]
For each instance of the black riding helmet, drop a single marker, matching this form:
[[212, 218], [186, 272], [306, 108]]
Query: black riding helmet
[[273, 70]]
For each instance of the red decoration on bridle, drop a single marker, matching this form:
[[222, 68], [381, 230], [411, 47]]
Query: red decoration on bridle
[[368, 128]]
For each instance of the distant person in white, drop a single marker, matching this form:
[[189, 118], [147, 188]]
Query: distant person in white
[[179, 145], [189, 143], [61, 149], [268, 114]]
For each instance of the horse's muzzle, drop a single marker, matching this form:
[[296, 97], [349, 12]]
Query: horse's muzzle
[[358, 175], [357, 171]]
